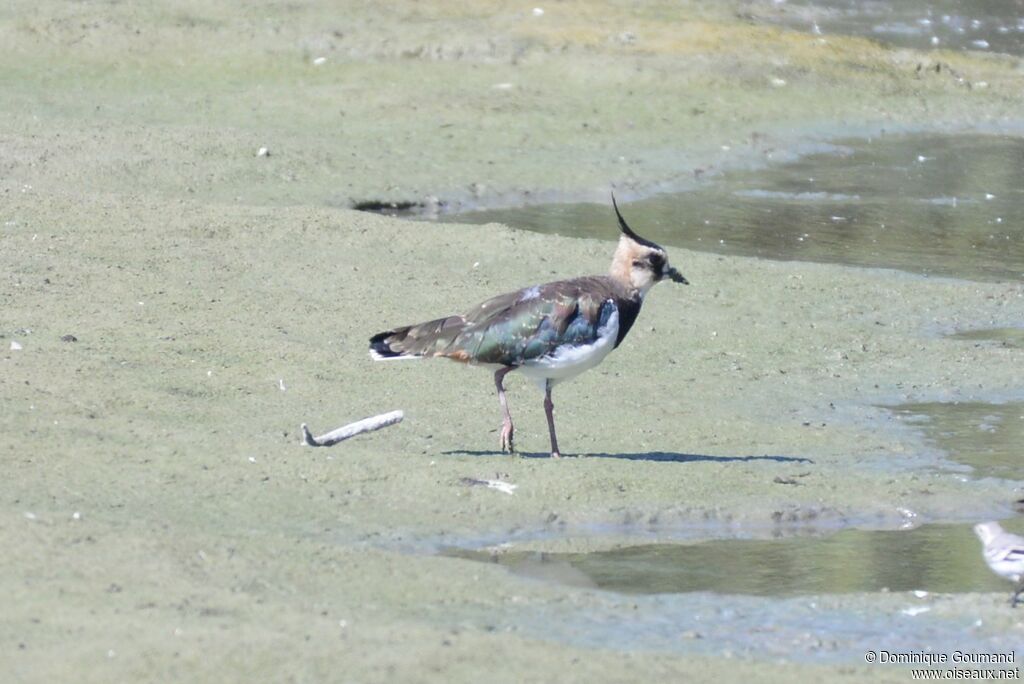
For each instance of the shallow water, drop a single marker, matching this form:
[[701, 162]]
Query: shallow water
[[943, 558], [994, 25], [1007, 337], [937, 558], [987, 437], [948, 205]]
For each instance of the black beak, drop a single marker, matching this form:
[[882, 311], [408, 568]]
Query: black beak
[[676, 276]]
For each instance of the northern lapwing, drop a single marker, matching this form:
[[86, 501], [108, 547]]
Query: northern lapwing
[[550, 333], [1004, 554]]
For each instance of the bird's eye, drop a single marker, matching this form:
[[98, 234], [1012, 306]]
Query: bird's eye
[[638, 263]]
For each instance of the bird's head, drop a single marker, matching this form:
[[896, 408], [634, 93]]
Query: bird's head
[[640, 263], [987, 531]]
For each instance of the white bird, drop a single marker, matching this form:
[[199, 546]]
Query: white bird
[[1004, 553]]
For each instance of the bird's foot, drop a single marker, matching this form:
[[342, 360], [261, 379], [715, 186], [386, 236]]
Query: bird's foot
[[555, 454], [507, 432]]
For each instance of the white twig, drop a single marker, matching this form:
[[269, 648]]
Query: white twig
[[351, 430], [506, 487]]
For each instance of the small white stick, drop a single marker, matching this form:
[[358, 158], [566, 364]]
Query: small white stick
[[351, 430], [506, 487]]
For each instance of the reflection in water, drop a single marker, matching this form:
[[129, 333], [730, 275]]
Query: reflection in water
[[936, 558], [993, 25], [937, 204], [987, 437]]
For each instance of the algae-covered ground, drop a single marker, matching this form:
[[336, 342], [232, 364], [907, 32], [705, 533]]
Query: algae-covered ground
[[158, 517]]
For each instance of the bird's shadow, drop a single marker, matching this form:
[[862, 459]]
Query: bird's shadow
[[654, 456]]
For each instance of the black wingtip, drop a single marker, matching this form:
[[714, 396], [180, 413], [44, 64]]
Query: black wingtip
[[379, 347]]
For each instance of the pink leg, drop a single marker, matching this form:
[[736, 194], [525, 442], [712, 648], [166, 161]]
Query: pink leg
[[506, 418], [549, 411]]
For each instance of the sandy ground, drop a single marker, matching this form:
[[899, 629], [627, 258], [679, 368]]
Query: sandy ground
[[160, 520]]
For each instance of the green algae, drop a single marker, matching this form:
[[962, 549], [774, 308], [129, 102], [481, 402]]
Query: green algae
[[218, 302]]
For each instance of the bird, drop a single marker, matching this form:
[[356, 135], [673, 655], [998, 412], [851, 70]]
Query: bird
[[1004, 554], [549, 333]]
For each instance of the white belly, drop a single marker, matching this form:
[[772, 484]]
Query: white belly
[[1011, 569], [568, 361]]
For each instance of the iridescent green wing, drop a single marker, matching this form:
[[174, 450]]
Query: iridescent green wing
[[531, 323]]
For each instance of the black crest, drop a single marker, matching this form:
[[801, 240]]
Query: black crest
[[628, 232]]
